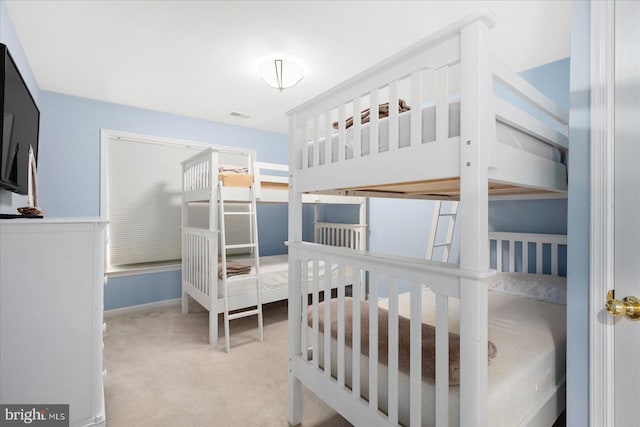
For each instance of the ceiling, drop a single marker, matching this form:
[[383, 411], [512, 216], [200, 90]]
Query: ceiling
[[201, 58]]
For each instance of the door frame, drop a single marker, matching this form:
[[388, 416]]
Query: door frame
[[601, 265]]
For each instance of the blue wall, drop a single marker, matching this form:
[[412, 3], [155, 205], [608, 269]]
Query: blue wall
[[579, 227]]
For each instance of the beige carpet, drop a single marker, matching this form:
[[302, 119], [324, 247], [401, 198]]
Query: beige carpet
[[162, 372]]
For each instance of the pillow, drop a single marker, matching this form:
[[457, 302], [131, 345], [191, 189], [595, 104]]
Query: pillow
[[547, 288]]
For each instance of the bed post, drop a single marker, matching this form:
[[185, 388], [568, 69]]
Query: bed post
[[184, 221], [294, 386], [475, 134], [213, 249]]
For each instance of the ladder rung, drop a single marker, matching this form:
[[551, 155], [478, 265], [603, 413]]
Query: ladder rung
[[246, 313], [437, 245], [245, 245], [447, 214], [238, 213]]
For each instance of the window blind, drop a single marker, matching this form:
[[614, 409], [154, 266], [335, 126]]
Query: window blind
[[144, 200]]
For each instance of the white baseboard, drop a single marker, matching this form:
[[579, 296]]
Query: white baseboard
[[142, 307]]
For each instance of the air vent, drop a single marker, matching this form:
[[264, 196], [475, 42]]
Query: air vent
[[240, 115]]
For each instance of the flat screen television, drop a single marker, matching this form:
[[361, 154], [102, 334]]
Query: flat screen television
[[20, 125]]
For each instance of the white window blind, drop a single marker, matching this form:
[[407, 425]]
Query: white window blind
[[144, 200]]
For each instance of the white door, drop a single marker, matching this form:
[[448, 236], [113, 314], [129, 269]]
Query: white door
[[615, 214], [627, 209], [622, 396]]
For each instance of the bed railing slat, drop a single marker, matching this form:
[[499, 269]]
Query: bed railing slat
[[512, 255], [416, 110], [341, 132], [328, 131], [442, 104], [327, 321], [393, 115], [355, 345], [341, 328], [374, 123], [357, 128], [415, 369], [373, 341], [305, 309], [554, 259], [315, 161], [525, 256], [442, 360], [305, 149], [393, 351], [315, 302], [538, 258], [499, 255]]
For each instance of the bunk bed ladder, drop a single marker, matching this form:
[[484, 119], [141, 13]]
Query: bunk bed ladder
[[253, 246], [441, 218]]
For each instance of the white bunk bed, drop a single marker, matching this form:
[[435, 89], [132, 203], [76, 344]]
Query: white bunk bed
[[200, 245], [490, 148]]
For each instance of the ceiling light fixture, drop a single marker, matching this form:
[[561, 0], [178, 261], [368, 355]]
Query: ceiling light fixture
[[281, 74]]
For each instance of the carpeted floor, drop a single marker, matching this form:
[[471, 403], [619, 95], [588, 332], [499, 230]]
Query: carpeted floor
[[162, 372]]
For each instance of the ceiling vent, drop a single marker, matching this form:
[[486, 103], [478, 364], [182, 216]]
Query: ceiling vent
[[240, 115]]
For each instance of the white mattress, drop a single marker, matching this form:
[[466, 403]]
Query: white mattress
[[274, 274], [530, 337], [505, 134]]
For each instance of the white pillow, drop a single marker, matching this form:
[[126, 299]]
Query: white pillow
[[536, 286]]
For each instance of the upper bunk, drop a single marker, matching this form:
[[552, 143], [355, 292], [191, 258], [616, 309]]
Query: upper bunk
[[237, 169], [456, 108]]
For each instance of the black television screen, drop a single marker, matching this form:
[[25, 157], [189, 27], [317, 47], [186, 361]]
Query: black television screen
[[20, 125]]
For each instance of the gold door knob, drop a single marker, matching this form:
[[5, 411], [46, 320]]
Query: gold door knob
[[628, 307]]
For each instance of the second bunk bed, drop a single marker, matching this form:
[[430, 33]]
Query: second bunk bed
[[234, 177], [426, 124]]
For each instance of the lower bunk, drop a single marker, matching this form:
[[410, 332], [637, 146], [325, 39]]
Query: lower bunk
[[201, 280], [386, 368]]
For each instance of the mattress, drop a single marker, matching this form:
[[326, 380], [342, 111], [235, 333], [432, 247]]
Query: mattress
[[274, 275], [530, 336], [505, 134]]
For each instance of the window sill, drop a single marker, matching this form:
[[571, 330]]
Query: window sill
[[134, 270]]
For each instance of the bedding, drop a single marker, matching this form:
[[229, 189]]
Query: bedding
[[547, 288], [428, 340], [383, 111], [234, 269], [274, 274], [530, 336]]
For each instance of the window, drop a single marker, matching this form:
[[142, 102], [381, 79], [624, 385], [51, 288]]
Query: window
[[143, 200]]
